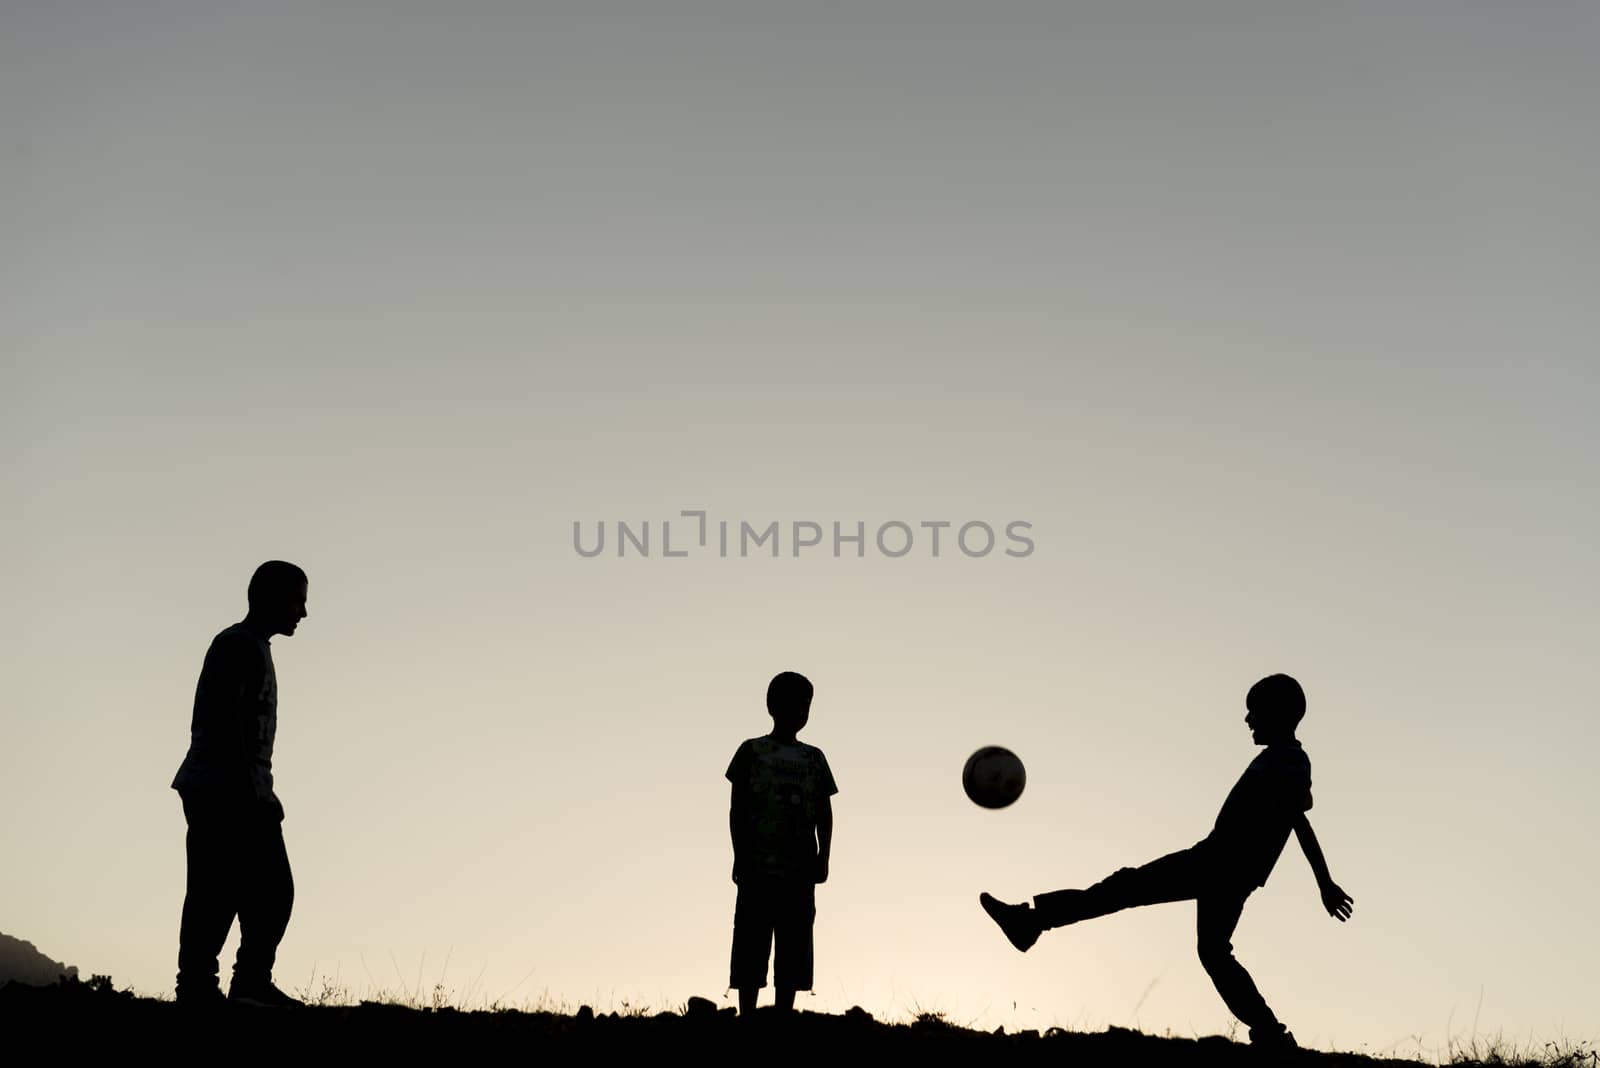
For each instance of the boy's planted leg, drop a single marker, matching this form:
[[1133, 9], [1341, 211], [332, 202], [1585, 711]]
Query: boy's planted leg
[[1216, 916]]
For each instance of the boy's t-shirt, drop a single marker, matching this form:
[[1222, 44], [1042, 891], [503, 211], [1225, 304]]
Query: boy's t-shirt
[[1259, 813], [784, 784], [235, 719]]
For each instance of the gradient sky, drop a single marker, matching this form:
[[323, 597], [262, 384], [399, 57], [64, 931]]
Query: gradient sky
[[1276, 323]]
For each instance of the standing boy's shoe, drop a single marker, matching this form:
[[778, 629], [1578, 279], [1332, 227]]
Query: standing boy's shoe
[[263, 996], [1019, 923]]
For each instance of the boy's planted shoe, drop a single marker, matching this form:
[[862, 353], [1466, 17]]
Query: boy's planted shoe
[[263, 996], [1019, 922]]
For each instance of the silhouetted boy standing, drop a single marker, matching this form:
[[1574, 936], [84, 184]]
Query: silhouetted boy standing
[[237, 864], [1270, 799], [781, 822]]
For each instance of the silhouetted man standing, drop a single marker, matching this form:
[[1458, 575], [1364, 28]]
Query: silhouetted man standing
[[236, 858]]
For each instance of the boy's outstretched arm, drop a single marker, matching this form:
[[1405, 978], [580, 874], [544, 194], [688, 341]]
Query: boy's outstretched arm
[[824, 837], [1338, 903]]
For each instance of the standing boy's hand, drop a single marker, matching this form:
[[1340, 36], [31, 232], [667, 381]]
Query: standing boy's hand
[[822, 869], [1338, 903]]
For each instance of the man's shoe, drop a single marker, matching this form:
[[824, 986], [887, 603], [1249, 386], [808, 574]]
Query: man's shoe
[[1018, 922], [1272, 1040], [262, 996], [206, 999]]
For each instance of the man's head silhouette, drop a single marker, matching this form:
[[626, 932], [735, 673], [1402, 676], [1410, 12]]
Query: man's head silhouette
[[789, 702], [1276, 705], [277, 595]]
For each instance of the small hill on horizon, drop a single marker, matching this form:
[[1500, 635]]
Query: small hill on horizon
[[21, 962]]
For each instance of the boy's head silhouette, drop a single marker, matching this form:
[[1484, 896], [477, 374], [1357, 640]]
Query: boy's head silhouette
[[277, 595], [789, 702], [1276, 705]]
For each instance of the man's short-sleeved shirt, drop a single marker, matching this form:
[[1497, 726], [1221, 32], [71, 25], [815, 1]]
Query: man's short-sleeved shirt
[[1259, 813], [783, 785], [235, 719]]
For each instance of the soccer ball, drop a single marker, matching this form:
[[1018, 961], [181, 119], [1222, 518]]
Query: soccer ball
[[993, 777]]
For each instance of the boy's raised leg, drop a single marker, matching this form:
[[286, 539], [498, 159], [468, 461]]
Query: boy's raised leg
[[1174, 877]]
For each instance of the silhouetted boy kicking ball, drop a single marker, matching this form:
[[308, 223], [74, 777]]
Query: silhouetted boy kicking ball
[[781, 821], [1219, 872]]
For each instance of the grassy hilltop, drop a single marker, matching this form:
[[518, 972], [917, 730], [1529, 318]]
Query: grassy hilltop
[[73, 1016]]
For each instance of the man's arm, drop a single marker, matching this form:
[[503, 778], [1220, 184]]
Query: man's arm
[[229, 678], [738, 826], [1338, 903], [248, 687], [824, 837]]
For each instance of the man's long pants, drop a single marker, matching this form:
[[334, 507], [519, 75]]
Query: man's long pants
[[237, 867]]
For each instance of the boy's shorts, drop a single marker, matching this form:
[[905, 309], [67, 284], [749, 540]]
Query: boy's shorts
[[772, 909]]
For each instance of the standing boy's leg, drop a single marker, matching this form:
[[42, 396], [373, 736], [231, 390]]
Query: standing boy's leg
[[752, 940], [794, 953], [265, 904], [210, 900], [1216, 915]]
